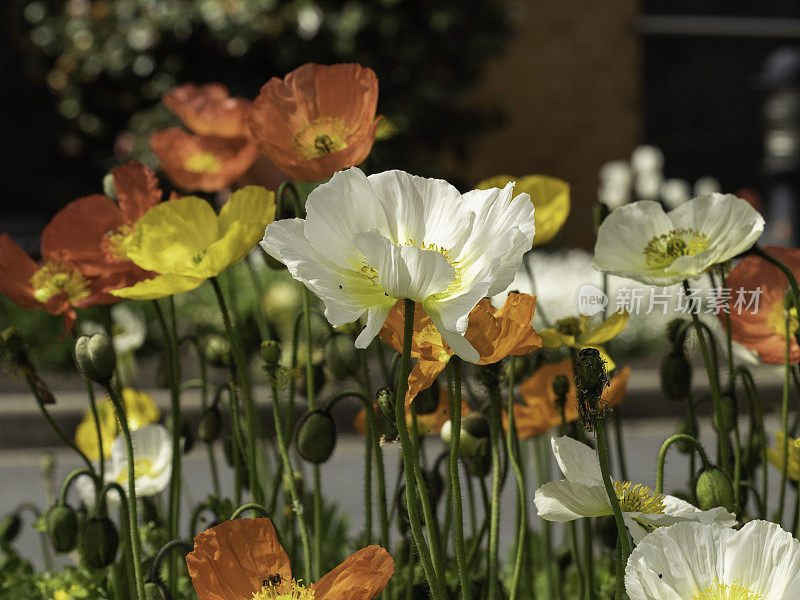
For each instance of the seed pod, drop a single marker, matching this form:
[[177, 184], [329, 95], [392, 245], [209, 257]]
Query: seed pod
[[210, 424], [217, 350], [474, 439], [728, 412], [686, 426], [271, 353], [99, 542], [61, 523], [341, 356], [9, 528], [155, 591], [95, 357], [316, 436], [713, 488], [591, 379], [676, 376]]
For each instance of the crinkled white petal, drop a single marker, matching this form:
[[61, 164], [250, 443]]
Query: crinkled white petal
[[577, 461], [376, 317], [153, 444], [563, 501]]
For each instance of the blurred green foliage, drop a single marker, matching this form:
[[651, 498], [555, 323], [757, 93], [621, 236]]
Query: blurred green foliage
[[107, 62]]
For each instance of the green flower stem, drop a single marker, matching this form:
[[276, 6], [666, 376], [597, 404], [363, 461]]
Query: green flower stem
[[409, 459], [713, 381], [620, 440], [602, 453], [170, 546], [495, 427], [198, 510], [512, 448], [172, 360], [258, 311], [297, 504], [455, 480], [252, 507], [757, 420], [787, 366], [541, 464], [95, 415], [69, 479], [125, 520], [693, 419], [662, 455], [47, 559], [237, 442], [136, 542]]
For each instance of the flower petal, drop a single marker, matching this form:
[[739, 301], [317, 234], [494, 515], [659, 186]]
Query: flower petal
[[361, 576], [563, 501], [578, 462], [159, 287], [16, 270], [606, 330]]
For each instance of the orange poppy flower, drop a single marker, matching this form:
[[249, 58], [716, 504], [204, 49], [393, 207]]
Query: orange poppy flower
[[761, 326], [317, 120], [243, 560], [538, 414], [209, 110], [51, 285], [494, 333], [200, 162], [427, 423], [91, 232]]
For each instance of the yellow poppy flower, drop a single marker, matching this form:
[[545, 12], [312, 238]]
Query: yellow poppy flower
[[775, 455], [575, 332], [186, 242], [550, 197], [141, 411]]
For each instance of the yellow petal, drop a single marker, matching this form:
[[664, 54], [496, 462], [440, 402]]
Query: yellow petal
[[172, 237], [551, 200], [607, 330], [551, 339], [158, 287], [497, 181]]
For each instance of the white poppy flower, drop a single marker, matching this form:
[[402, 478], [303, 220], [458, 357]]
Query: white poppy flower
[[582, 494], [368, 242], [152, 460], [642, 242], [691, 561]]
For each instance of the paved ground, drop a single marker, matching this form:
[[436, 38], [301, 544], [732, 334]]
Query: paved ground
[[342, 476]]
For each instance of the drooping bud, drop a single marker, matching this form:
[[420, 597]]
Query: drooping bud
[[474, 439], [316, 436], [154, 590], [187, 435], [271, 353], [99, 542], [676, 375], [61, 523], [9, 528], [686, 426], [341, 356], [560, 389], [591, 379], [95, 357], [13, 347], [713, 488], [210, 424], [676, 333], [728, 411], [217, 350]]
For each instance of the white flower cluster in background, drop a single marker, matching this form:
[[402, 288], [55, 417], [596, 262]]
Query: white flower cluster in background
[[642, 178]]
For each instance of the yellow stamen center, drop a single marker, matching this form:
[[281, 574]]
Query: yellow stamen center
[[776, 319], [639, 498], [723, 591], [202, 162], [115, 242], [321, 136], [663, 249], [286, 589], [142, 467], [53, 279]]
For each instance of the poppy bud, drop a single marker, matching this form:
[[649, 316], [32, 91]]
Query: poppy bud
[[385, 399], [13, 346], [426, 402], [516, 367], [155, 591], [210, 424], [713, 488], [590, 381], [271, 353], [474, 440], [95, 357], [676, 376], [686, 426], [341, 356], [728, 412], [676, 333], [9, 528], [61, 523], [99, 542], [480, 466], [217, 351], [316, 436], [561, 387]]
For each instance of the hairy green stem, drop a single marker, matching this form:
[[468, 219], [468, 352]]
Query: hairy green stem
[[662, 455]]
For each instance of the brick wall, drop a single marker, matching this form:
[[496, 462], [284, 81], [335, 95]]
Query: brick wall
[[570, 87]]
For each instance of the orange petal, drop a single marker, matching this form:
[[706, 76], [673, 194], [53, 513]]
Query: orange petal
[[496, 334], [223, 160], [231, 561], [16, 270], [361, 576], [209, 109], [137, 190], [422, 377]]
